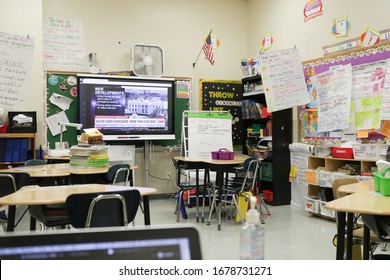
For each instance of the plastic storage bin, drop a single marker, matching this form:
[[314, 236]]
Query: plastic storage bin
[[339, 152], [326, 212], [268, 196], [312, 205], [223, 154], [382, 184], [369, 151]]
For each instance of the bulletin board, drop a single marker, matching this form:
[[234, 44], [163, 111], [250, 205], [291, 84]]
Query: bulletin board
[[61, 85], [223, 95], [308, 118]]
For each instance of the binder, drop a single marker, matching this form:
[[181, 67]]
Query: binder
[[23, 149], [9, 150], [16, 150], [3, 145]]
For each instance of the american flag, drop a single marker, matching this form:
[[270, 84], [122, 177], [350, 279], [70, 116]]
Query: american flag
[[208, 49]]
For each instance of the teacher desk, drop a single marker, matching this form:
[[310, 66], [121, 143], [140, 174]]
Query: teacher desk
[[35, 195]]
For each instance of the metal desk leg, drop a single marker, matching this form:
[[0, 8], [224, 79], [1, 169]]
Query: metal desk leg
[[349, 235], [197, 193], [340, 235], [366, 243], [11, 218], [145, 200], [33, 223], [219, 201]]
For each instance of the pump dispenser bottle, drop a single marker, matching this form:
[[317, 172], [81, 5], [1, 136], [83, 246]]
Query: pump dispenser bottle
[[252, 235]]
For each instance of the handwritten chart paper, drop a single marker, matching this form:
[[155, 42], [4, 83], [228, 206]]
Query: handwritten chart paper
[[385, 111], [208, 133], [63, 45], [334, 98], [16, 54], [368, 89], [283, 80]]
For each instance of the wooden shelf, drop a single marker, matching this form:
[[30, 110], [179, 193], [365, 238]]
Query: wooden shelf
[[331, 165], [31, 145]]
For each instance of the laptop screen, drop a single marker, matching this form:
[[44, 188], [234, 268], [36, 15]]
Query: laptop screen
[[173, 243]]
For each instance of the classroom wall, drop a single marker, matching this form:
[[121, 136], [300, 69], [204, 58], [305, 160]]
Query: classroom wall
[[112, 27], [24, 18], [285, 20], [179, 26]]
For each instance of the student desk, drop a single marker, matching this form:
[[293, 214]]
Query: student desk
[[59, 170], [35, 195], [220, 166], [42, 171], [363, 186], [363, 202]]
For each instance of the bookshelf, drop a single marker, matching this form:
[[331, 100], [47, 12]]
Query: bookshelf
[[16, 148], [321, 182], [258, 124]]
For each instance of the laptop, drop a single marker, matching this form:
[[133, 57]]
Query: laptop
[[153, 243]]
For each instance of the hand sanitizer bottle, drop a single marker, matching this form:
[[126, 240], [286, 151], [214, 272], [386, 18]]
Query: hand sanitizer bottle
[[252, 235]]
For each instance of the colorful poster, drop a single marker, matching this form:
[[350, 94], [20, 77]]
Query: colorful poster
[[334, 97], [313, 8], [217, 95], [283, 80], [183, 89], [368, 88]]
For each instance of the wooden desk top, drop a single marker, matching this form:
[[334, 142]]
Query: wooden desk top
[[363, 186], [363, 202], [42, 171], [58, 170], [35, 195]]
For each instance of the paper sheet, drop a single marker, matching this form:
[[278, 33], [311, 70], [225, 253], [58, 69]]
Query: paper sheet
[[54, 120], [61, 101]]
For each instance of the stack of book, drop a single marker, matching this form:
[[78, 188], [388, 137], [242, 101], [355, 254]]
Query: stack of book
[[92, 156]]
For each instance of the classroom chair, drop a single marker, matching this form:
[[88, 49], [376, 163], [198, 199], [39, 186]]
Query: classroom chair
[[106, 209], [10, 182], [238, 186]]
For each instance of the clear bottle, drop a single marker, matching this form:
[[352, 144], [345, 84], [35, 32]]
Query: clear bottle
[[252, 235]]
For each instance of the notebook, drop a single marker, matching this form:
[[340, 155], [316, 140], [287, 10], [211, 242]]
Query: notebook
[[154, 243]]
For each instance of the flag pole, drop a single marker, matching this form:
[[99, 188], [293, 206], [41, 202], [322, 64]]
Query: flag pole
[[193, 64]]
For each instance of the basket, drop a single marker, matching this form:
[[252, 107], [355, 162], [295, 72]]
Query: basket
[[222, 154]]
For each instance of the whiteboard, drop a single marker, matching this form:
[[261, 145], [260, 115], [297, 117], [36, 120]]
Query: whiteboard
[[207, 132]]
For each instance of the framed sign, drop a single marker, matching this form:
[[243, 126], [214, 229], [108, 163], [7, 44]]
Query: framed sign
[[22, 122]]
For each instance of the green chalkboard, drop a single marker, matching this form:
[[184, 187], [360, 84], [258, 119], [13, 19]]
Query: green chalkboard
[[181, 104], [61, 85]]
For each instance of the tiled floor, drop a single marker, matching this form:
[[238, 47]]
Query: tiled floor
[[290, 233]]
